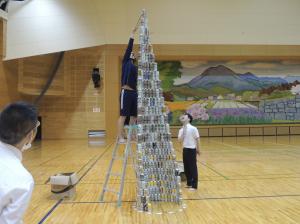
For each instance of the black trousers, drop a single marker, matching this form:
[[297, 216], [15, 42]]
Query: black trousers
[[190, 167]]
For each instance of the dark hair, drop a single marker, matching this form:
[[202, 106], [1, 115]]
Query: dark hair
[[16, 121], [189, 116]]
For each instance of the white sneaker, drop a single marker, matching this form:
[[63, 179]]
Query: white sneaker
[[122, 141], [192, 189]]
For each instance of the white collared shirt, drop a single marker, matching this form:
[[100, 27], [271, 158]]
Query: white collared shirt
[[189, 136], [16, 185]]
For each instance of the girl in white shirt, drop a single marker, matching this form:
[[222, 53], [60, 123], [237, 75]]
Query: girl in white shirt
[[189, 136]]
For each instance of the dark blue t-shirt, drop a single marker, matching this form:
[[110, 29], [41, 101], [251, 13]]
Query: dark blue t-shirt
[[129, 70]]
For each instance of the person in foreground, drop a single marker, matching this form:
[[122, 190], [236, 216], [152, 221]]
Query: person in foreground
[[18, 127], [189, 136]]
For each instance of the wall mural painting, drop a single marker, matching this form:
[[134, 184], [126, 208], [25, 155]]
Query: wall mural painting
[[232, 92]]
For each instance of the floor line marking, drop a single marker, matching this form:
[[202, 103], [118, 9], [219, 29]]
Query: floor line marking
[[61, 200], [191, 199]]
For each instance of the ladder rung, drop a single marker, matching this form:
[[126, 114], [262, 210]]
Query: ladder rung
[[109, 174], [116, 174], [112, 190]]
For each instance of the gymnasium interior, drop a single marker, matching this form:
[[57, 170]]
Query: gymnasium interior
[[234, 65]]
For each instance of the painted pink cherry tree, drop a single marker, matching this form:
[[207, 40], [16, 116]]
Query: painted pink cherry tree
[[295, 90], [198, 111]]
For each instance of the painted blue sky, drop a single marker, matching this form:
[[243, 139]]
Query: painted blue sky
[[282, 68]]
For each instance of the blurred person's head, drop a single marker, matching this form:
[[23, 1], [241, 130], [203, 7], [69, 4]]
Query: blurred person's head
[[186, 118], [132, 57], [18, 125]]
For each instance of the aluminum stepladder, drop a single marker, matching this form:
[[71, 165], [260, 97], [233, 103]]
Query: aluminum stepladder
[[109, 173]]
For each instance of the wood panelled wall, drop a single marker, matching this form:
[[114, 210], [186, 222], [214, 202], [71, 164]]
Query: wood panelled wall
[[72, 106], [244, 130], [82, 107], [114, 54], [8, 73], [3, 29], [71, 115], [8, 82], [34, 73]]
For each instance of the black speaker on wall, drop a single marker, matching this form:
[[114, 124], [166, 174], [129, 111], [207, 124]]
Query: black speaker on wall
[[4, 3], [96, 77]]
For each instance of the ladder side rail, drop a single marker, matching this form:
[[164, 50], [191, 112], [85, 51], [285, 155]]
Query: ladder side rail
[[109, 171], [124, 166]]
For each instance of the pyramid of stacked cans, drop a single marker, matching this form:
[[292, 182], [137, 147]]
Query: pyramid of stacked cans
[[155, 160]]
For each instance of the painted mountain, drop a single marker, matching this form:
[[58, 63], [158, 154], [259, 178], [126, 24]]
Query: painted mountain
[[224, 77], [292, 78], [222, 80], [262, 82]]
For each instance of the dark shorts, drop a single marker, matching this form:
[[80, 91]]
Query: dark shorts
[[128, 103]]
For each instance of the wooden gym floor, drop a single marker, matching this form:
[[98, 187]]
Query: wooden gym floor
[[241, 180]]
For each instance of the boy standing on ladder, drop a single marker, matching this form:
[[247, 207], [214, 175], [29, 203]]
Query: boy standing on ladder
[[128, 96]]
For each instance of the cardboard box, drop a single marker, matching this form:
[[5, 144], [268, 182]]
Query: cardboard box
[[63, 185], [180, 170]]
